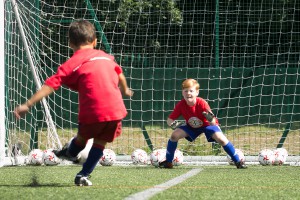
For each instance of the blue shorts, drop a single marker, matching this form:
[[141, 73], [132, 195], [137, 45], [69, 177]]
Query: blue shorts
[[195, 132]]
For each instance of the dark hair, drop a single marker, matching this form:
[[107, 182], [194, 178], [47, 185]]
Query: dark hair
[[81, 32]]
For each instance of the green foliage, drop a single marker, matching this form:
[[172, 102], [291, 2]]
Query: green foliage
[[142, 9]]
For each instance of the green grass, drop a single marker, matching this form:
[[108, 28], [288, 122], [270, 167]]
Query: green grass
[[117, 182]]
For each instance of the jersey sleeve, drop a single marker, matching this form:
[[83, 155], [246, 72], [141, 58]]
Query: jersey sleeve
[[176, 112], [118, 69], [56, 80], [206, 106]]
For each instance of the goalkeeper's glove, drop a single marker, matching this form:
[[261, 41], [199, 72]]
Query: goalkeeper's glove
[[208, 115], [175, 124]]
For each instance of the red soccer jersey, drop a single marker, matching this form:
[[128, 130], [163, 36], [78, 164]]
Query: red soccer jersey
[[95, 76], [192, 114]]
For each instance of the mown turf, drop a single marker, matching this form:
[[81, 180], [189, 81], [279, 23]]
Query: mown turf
[[118, 182]]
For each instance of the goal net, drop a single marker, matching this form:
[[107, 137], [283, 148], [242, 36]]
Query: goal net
[[244, 54]]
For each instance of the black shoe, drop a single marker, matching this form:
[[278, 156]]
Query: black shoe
[[64, 154], [81, 180], [240, 165], [165, 164]]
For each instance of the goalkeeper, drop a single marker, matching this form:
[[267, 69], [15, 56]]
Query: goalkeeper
[[99, 81], [199, 119]]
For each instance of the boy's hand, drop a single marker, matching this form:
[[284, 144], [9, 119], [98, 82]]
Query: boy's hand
[[21, 110], [208, 115], [175, 124], [128, 92]]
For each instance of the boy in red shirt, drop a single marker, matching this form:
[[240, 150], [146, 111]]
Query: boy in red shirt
[[99, 81], [199, 119]]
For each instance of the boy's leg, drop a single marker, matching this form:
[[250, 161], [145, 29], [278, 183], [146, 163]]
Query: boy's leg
[[91, 162], [230, 150], [71, 151], [75, 147], [171, 148], [215, 133]]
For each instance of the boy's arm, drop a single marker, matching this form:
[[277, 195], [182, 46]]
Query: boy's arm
[[123, 86], [210, 117], [21, 110], [173, 123]]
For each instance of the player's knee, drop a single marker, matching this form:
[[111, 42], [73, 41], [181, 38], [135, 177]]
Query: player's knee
[[100, 142], [175, 136], [80, 140], [220, 138]]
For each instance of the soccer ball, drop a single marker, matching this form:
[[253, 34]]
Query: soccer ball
[[35, 157], [266, 157], [280, 155], [284, 152], [82, 156], [108, 158], [178, 158], [240, 154], [49, 158], [157, 156], [139, 156]]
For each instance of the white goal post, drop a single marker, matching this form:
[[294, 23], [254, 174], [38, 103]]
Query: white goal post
[[245, 55]]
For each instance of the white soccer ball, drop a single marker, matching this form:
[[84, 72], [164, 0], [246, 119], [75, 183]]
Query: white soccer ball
[[266, 157], [139, 157], [280, 155], [35, 157], [241, 155], [157, 156], [78, 156], [178, 158], [108, 158], [82, 156], [49, 158]]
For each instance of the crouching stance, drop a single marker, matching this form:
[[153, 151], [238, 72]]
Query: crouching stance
[[199, 119]]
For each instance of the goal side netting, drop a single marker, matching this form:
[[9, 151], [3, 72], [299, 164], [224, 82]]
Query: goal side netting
[[244, 54]]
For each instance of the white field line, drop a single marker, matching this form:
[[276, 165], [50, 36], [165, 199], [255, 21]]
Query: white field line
[[146, 194]]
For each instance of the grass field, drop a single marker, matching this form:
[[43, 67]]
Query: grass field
[[119, 182]]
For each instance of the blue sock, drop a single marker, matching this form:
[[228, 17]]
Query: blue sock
[[171, 150], [92, 160], [75, 147], [230, 150]]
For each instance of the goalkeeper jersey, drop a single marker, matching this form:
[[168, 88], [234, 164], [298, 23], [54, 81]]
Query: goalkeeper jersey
[[192, 114], [95, 76]]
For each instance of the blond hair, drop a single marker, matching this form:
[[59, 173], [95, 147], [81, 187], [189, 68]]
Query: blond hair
[[190, 83]]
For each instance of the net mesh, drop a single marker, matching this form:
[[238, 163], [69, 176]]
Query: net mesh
[[245, 55]]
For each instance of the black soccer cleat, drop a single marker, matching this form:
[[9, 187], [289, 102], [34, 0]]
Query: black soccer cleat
[[64, 154], [81, 180], [165, 164], [240, 165]]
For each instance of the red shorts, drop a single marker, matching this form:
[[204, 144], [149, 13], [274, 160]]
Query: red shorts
[[106, 131]]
